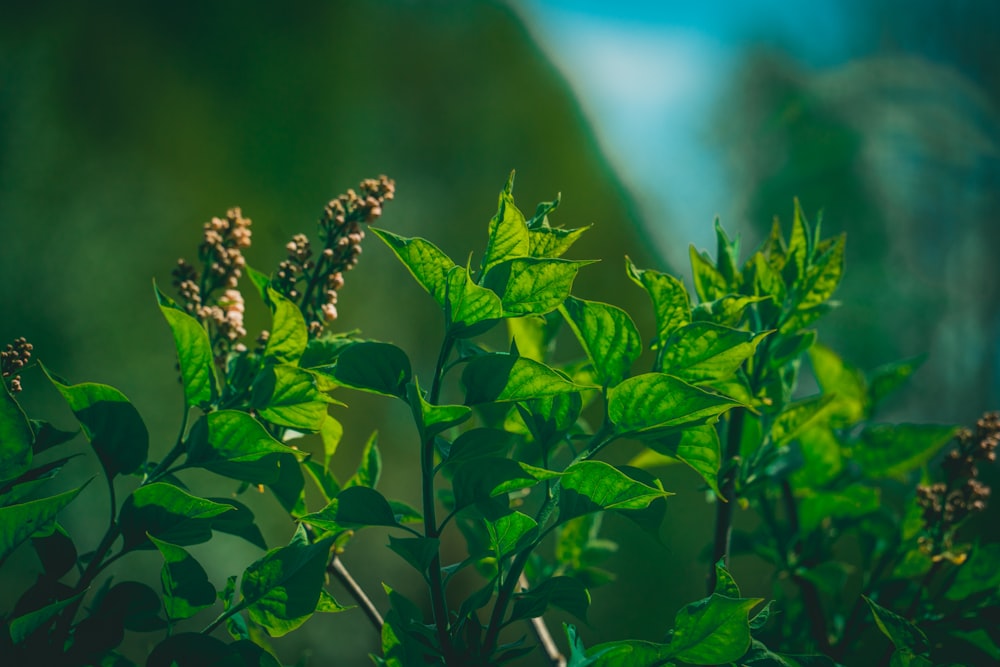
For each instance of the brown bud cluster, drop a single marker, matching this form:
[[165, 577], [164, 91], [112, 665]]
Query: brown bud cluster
[[12, 359], [222, 246], [946, 504], [317, 278]]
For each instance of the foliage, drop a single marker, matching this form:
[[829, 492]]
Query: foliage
[[511, 460]]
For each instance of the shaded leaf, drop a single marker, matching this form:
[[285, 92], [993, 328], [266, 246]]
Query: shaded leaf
[[434, 419], [510, 533], [712, 631], [234, 444], [355, 507], [16, 437], [698, 447], [370, 469], [239, 522], [168, 513], [289, 396], [484, 478], [417, 551], [501, 377], [19, 522], [905, 636], [186, 588], [981, 572], [567, 593], [380, 368], [893, 450]]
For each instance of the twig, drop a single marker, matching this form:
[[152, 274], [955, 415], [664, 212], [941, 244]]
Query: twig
[[337, 569], [552, 651], [724, 506]]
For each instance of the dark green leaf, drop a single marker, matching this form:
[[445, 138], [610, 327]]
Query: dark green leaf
[[470, 309], [234, 444], [19, 522], [510, 533], [239, 522], [905, 636], [434, 419], [355, 507], [289, 396], [531, 285], [508, 232], [289, 488], [282, 589], [893, 450], [417, 551], [323, 351], [16, 437], [370, 469], [567, 593], [851, 502], [478, 443], [698, 447], [703, 351], [481, 479], [608, 336], [656, 403], [110, 422], [193, 649], [194, 352], [981, 572], [289, 334], [24, 625], [501, 377], [47, 435], [186, 588], [56, 551], [627, 653], [380, 368], [331, 431], [594, 486], [886, 379], [671, 302], [712, 631], [424, 260], [168, 513]]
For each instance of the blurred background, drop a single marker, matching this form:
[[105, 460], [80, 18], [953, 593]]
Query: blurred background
[[124, 126]]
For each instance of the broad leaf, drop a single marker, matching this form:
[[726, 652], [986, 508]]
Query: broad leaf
[[499, 377], [19, 522], [889, 377], [282, 589], [510, 533], [905, 636], [594, 486], [289, 335], [23, 626], [823, 276], [239, 522], [110, 422], [552, 242], [194, 352], [654, 403], [712, 631], [703, 351], [708, 282], [981, 572], [849, 503], [671, 302], [193, 649], [234, 444], [508, 232], [532, 286], [698, 447], [424, 260], [379, 368], [847, 384], [168, 513], [798, 417], [186, 588], [727, 311], [470, 309], [485, 478], [287, 395], [355, 507], [567, 593], [893, 450], [608, 336], [434, 419], [478, 443], [417, 551], [16, 437]]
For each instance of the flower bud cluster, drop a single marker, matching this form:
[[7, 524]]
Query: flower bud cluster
[[946, 504], [12, 360], [222, 245], [314, 280]]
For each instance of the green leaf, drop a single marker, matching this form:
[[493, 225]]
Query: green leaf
[[708, 282], [848, 503], [331, 431], [484, 478], [508, 232], [905, 636], [289, 334], [552, 242], [287, 395], [370, 469], [724, 583], [894, 450], [798, 417], [194, 352], [499, 377], [281, 590], [703, 351], [889, 377], [531, 285], [550, 418], [594, 486], [823, 276], [608, 336], [379, 368], [728, 256], [981, 572], [56, 552], [478, 443], [671, 302], [239, 522], [47, 435], [698, 447], [289, 488], [327, 604], [167, 513], [110, 422], [417, 551], [234, 444], [847, 384], [470, 309], [510, 533], [727, 311], [424, 260], [355, 507], [16, 437], [19, 522], [654, 403], [24, 625], [434, 419], [567, 593], [186, 588], [627, 653], [712, 631]]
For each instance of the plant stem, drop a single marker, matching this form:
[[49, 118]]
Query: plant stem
[[555, 656], [337, 569], [724, 508]]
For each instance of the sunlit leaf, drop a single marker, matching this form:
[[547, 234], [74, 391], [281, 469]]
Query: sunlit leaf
[[532, 286], [234, 444], [703, 351], [823, 276], [289, 334], [655, 403], [594, 486], [289, 396], [845, 383], [510, 533], [712, 631], [501, 377], [608, 336], [671, 302], [424, 260], [194, 352], [470, 309], [434, 419], [698, 447], [708, 282], [508, 231], [797, 417]]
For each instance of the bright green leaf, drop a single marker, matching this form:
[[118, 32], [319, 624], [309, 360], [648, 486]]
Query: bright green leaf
[[470, 310], [712, 631], [510, 533], [289, 335], [288, 396], [797, 417], [424, 260], [552, 242], [823, 276], [434, 419], [499, 377], [608, 336], [234, 444], [531, 285], [671, 302], [698, 447], [708, 282], [847, 384], [656, 403], [703, 351], [595, 486], [508, 232], [194, 352]]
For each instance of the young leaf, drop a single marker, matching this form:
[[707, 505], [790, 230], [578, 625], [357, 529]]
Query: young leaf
[[331, 431], [727, 311], [510, 533], [594, 486], [724, 582], [287, 395], [470, 309], [194, 352], [499, 377], [532, 286], [823, 276], [712, 631], [19, 522], [424, 260], [728, 256], [703, 352], [552, 242], [567, 593], [709, 283], [282, 589], [671, 302], [164, 511], [654, 403], [608, 336], [234, 444], [16, 437], [698, 447], [289, 334], [508, 232], [110, 422], [186, 588], [893, 450], [379, 368]]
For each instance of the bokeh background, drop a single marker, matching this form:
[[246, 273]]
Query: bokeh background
[[124, 126]]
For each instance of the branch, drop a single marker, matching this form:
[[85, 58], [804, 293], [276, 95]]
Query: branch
[[337, 569]]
